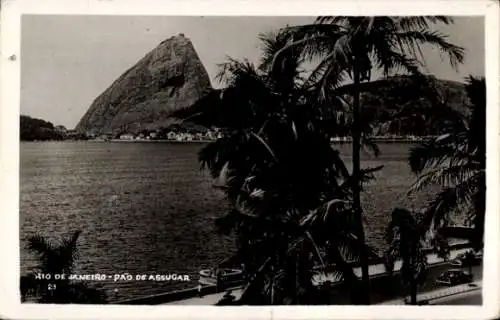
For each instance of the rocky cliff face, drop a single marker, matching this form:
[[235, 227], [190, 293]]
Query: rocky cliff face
[[169, 78]]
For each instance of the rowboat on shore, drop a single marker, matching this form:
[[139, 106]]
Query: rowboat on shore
[[223, 277]]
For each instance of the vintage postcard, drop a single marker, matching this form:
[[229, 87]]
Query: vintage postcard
[[249, 160]]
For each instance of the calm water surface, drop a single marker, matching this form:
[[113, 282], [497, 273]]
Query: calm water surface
[[147, 208]]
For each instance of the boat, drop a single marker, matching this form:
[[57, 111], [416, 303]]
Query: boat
[[227, 277]]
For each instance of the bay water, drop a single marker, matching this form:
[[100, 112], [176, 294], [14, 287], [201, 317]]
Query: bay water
[[148, 208]]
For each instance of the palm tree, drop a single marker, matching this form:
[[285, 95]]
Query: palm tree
[[405, 242], [56, 260], [286, 184], [456, 161], [350, 48], [469, 259]]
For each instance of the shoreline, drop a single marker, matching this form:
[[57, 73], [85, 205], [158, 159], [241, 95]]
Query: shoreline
[[75, 148], [377, 273], [404, 141]]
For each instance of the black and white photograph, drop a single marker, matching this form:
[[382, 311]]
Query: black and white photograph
[[271, 160]]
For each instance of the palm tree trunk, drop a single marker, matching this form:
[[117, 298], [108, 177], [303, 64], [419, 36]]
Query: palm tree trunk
[[413, 292], [480, 210], [413, 281], [272, 282], [297, 278], [356, 188]]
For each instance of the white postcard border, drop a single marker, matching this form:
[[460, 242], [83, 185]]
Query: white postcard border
[[11, 11]]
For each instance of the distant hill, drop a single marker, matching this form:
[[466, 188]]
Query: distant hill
[[406, 89], [406, 105], [169, 78], [32, 129], [170, 83], [398, 105]]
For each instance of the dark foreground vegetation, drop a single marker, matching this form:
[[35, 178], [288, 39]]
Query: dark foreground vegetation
[[42, 284], [294, 204], [32, 129], [295, 208]]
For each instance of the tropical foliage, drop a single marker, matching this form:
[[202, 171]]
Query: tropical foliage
[[289, 190], [469, 259], [406, 242], [456, 161], [37, 129], [295, 205], [350, 48], [56, 260]]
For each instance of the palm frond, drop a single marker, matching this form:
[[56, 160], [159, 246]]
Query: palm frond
[[310, 40], [317, 250], [460, 195], [40, 244], [390, 60], [352, 247], [417, 38], [264, 143], [346, 270], [342, 171], [232, 69], [367, 173], [270, 46], [332, 209], [409, 23], [435, 153], [370, 145], [68, 251], [446, 176], [335, 213], [330, 72]]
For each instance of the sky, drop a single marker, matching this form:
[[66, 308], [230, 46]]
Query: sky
[[67, 61]]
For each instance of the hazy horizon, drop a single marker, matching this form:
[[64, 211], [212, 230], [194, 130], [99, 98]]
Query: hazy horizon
[[80, 56]]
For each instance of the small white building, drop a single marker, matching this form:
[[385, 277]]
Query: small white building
[[210, 135], [127, 136], [188, 137], [171, 135], [199, 136]]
